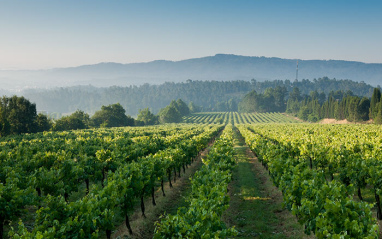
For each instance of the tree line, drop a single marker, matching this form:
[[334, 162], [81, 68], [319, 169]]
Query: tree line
[[272, 100], [18, 115], [210, 96], [173, 113], [338, 105]]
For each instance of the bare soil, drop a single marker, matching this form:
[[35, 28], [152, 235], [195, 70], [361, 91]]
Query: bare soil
[[334, 121]]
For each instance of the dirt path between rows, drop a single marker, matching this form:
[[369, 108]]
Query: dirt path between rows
[[256, 208]]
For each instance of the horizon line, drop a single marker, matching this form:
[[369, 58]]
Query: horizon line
[[150, 61]]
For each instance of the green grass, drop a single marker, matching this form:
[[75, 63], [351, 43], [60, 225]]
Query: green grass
[[256, 208]]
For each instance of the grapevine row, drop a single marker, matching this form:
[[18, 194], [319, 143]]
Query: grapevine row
[[325, 206], [237, 118], [350, 154], [208, 199], [54, 176]]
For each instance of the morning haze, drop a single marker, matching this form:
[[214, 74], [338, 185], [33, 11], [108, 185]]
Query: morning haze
[[190, 119], [220, 67]]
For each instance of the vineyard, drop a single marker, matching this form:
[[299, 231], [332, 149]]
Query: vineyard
[[238, 118], [86, 183], [330, 176], [74, 183]]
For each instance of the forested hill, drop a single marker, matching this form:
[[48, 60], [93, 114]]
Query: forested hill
[[210, 95], [220, 67]]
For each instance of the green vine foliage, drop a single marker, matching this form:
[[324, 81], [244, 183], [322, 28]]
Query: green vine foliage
[[302, 161], [121, 165], [208, 199]]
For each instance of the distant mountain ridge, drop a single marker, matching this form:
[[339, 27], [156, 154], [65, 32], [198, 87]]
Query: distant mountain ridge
[[221, 67]]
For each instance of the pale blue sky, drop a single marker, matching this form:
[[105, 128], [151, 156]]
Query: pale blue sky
[[56, 33]]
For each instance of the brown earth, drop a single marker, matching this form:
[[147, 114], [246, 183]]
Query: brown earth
[[345, 121], [334, 121]]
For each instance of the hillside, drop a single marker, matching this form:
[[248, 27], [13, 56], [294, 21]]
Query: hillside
[[220, 67]]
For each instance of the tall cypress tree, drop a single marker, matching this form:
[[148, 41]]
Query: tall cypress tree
[[378, 118], [363, 109], [375, 99]]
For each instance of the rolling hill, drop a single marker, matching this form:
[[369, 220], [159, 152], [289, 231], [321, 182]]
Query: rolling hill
[[221, 67]]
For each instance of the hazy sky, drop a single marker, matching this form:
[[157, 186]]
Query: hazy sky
[[38, 34]]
